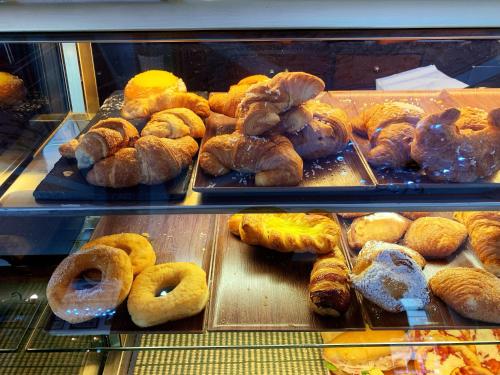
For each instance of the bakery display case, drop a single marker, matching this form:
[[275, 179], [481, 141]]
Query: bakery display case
[[184, 189]]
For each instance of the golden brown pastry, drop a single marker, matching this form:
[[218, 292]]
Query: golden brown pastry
[[152, 161], [435, 237], [175, 123], [290, 232], [353, 215], [446, 153], [220, 124], [151, 83], [12, 90], [273, 159], [326, 134], [414, 215], [390, 128], [472, 292], [472, 118], [471, 370], [260, 109], [484, 233], [294, 120], [227, 103], [102, 140], [380, 226], [234, 223], [372, 248], [329, 290]]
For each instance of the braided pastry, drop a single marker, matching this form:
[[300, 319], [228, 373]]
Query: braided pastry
[[447, 153]]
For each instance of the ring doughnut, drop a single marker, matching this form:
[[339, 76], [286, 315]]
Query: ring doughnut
[[76, 306], [137, 247], [189, 296]]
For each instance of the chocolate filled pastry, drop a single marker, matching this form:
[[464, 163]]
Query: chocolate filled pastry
[[435, 237], [329, 290], [472, 292], [447, 153], [380, 226], [393, 281], [390, 128]]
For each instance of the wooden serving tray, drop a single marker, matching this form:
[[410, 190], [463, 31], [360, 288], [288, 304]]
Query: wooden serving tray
[[175, 238], [436, 315], [257, 289], [410, 178]]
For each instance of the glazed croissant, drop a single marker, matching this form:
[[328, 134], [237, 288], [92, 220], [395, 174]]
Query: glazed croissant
[[287, 232], [102, 140], [145, 107], [329, 290], [272, 159], [325, 134], [175, 123], [227, 102], [447, 153], [484, 235], [153, 160], [390, 128], [262, 104]]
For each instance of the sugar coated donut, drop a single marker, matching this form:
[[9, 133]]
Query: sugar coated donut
[[188, 297], [138, 248], [76, 306]]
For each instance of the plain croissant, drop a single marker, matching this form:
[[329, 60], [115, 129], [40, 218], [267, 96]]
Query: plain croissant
[[153, 160], [273, 159], [262, 104], [390, 128], [102, 140], [447, 153], [325, 134], [175, 123]]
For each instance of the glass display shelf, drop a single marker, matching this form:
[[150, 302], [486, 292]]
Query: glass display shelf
[[19, 200]]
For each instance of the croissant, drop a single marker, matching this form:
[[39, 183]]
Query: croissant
[[102, 140], [290, 232], [329, 290], [484, 235], [472, 292], [273, 159], [153, 160], [472, 118], [220, 124], [262, 104], [175, 123], [447, 153], [145, 107], [390, 128], [325, 134], [227, 103]]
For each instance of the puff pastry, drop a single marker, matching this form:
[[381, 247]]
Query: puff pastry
[[472, 292], [175, 123], [484, 233], [380, 226], [435, 237], [393, 281], [290, 232]]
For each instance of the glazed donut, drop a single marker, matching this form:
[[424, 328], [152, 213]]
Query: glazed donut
[[76, 306], [189, 296], [137, 247]]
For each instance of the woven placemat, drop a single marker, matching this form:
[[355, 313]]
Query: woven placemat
[[239, 361]]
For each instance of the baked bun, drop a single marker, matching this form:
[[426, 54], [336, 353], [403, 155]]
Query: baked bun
[[12, 90], [361, 359], [393, 281], [151, 83], [435, 237], [373, 248], [472, 292], [380, 226]]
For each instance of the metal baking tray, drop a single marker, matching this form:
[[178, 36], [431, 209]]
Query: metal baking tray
[[257, 289], [436, 315]]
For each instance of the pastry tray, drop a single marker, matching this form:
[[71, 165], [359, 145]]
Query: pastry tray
[[65, 182], [410, 178], [436, 315], [254, 288], [174, 240]]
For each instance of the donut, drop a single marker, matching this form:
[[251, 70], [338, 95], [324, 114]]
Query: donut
[[188, 297], [137, 247], [76, 306]]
